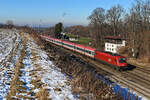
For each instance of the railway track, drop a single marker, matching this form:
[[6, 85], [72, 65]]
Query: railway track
[[138, 85], [139, 73], [143, 70], [131, 79], [134, 78], [139, 76], [133, 82]]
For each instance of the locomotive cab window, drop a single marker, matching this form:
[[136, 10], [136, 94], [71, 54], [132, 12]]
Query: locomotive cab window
[[89, 52], [122, 60]]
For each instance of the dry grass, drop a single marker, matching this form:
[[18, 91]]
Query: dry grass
[[37, 83], [33, 53], [42, 94], [12, 98], [84, 81], [143, 62], [38, 67], [16, 83], [34, 58]]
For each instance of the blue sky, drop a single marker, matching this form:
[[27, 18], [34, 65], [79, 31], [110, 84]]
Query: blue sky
[[50, 12]]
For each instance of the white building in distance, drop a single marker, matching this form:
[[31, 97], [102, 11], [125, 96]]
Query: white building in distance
[[113, 43]]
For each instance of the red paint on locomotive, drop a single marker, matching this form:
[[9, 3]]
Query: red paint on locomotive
[[110, 58]]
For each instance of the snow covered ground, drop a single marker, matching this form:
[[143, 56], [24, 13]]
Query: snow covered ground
[[37, 74], [9, 44], [53, 80]]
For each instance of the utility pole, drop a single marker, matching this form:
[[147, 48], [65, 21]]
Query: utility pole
[[40, 25], [134, 36], [134, 41]]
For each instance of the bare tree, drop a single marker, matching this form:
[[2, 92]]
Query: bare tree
[[146, 14], [137, 26], [114, 16], [9, 22], [97, 16], [97, 19]]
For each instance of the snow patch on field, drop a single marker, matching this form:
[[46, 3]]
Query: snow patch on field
[[35, 61], [25, 76], [54, 81], [8, 42]]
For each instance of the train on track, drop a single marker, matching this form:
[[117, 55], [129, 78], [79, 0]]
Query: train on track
[[115, 60]]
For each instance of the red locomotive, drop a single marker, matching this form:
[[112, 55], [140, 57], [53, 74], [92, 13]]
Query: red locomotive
[[117, 61]]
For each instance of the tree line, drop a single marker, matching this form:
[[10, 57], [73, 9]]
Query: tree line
[[133, 25]]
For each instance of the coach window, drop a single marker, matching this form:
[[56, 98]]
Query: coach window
[[82, 50], [90, 52], [87, 51], [65, 44], [79, 49], [70, 46], [93, 53]]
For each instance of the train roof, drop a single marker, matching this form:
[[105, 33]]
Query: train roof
[[50, 37], [58, 40], [90, 48], [110, 53], [81, 46], [113, 54], [78, 45], [69, 42]]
